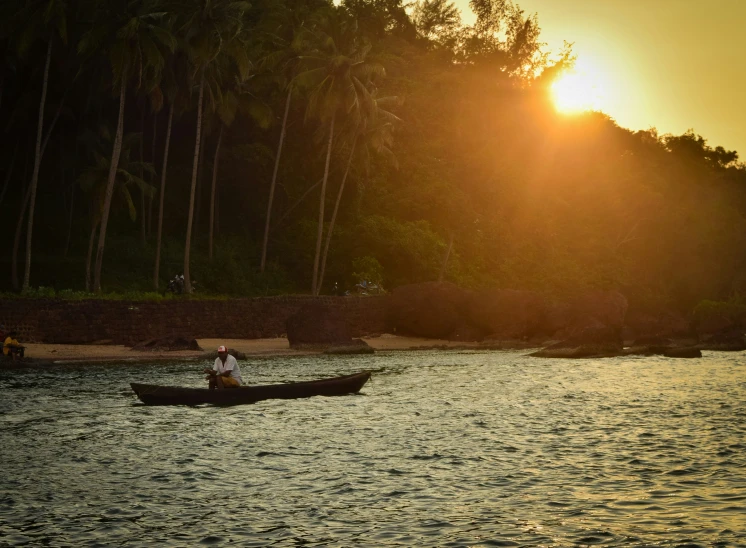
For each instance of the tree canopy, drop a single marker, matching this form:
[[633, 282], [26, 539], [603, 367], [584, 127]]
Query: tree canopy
[[230, 139]]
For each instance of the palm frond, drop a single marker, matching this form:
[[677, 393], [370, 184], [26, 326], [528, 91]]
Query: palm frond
[[259, 111], [228, 108], [125, 194]]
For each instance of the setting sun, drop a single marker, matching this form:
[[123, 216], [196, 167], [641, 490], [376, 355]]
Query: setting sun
[[577, 90]]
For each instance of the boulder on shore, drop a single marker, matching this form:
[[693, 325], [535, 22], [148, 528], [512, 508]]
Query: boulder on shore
[[317, 325], [648, 345], [589, 310], [356, 346], [714, 320], [168, 344], [658, 323], [432, 309], [606, 307], [593, 342], [506, 314], [731, 340], [688, 352]]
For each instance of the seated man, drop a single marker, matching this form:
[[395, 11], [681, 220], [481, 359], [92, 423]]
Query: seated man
[[225, 373], [12, 348]]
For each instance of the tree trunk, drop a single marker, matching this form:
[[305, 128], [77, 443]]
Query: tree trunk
[[70, 220], [116, 151], [91, 239], [25, 188], [62, 184], [195, 165], [17, 239], [8, 174], [81, 118], [445, 259], [24, 205], [212, 194], [153, 175], [37, 163], [295, 204], [143, 235], [200, 171], [66, 248], [272, 185], [156, 272], [334, 214], [320, 231]]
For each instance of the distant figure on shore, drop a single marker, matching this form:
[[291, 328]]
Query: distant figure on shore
[[225, 373], [11, 347]]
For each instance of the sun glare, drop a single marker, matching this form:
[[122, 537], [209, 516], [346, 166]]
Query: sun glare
[[576, 91]]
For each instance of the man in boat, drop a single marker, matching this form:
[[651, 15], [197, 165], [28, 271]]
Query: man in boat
[[225, 373]]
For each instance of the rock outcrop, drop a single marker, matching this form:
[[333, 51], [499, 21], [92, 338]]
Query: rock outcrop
[[731, 340], [356, 346], [506, 314], [318, 326], [665, 324], [432, 309], [687, 352], [168, 344], [592, 342], [594, 309]]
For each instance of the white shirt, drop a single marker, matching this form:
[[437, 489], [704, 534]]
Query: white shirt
[[230, 365]]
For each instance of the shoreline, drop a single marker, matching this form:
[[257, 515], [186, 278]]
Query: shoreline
[[253, 348]]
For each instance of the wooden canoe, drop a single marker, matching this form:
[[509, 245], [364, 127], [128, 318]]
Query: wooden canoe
[[153, 394]]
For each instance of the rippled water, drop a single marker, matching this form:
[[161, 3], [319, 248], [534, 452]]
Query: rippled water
[[440, 449]]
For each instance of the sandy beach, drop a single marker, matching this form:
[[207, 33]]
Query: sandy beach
[[251, 347]]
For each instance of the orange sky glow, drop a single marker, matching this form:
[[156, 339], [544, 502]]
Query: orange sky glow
[[669, 64]]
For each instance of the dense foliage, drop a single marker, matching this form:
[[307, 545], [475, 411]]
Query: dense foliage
[[285, 145]]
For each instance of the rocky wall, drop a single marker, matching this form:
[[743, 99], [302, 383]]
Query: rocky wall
[[130, 322]]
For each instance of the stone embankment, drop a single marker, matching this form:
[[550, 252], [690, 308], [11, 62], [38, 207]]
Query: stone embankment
[[132, 322], [590, 324]]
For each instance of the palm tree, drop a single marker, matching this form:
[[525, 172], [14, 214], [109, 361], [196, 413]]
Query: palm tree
[[138, 39], [338, 86], [284, 62], [25, 203], [94, 180], [212, 29], [376, 134], [239, 98], [172, 81], [164, 169], [272, 185], [46, 19]]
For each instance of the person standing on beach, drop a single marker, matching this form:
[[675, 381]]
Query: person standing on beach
[[225, 373]]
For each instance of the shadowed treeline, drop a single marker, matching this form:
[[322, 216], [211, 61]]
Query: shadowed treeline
[[337, 143]]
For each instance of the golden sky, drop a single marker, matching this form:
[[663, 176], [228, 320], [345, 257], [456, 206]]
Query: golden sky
[[669, 64]]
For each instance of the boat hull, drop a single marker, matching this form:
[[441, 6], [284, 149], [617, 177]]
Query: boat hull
[[153, 394]]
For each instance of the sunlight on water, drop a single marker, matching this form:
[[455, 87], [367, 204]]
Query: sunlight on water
[[450, 448]]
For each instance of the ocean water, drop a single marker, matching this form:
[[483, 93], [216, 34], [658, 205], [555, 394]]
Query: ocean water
[[439, 449]]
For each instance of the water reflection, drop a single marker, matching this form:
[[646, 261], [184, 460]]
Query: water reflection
[[456, 449]]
